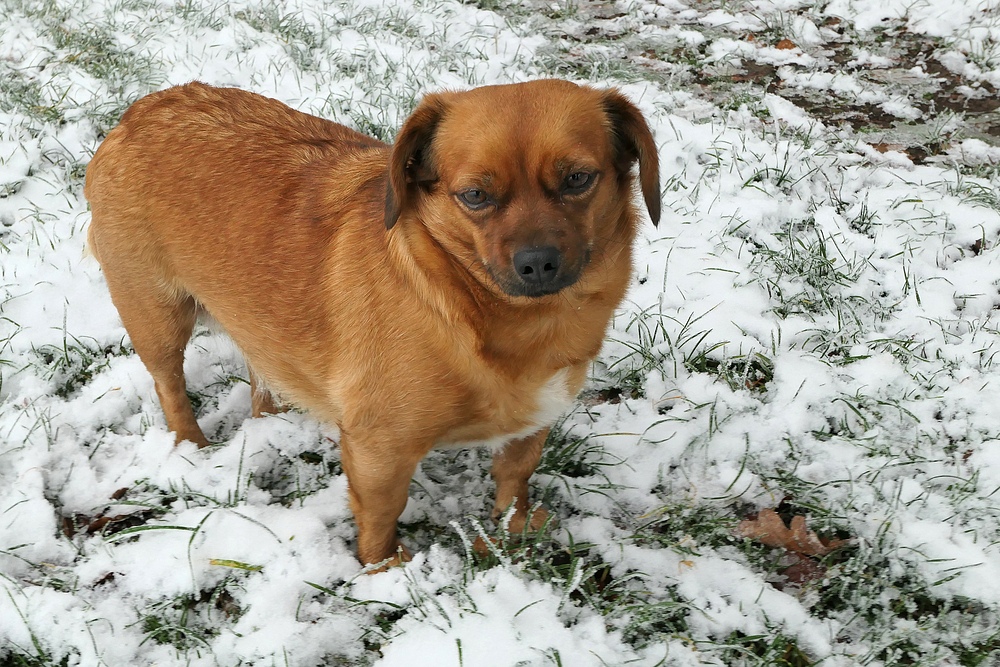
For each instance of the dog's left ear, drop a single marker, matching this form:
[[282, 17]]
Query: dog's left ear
[[632, 141], [411, 162]]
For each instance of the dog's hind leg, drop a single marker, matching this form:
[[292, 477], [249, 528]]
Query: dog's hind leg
[[261, 399], [159, 322]]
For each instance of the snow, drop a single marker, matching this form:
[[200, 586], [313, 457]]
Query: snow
[[499, 619], [868, 282]]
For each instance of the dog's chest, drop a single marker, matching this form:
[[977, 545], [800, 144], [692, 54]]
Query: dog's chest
[[517, 416]]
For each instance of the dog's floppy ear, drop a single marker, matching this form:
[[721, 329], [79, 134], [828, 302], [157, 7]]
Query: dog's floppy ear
[[410, 162], [632, 141]]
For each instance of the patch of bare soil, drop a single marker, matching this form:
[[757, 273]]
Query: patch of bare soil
[[888, 86]]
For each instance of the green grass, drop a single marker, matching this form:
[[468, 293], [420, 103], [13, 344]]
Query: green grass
[[301, 40], [18, 658], [73, 364], [18, 92], [188, 622]]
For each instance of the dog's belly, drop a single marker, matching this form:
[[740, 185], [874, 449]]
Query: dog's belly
[[552, 400]]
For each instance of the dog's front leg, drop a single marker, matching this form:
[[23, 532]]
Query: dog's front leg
[[378, 479], [512, 466]]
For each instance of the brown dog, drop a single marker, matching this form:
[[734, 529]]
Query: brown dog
[[450, 289]]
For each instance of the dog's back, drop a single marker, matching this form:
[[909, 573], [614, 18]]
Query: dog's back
[[196, 149], [219, 199]]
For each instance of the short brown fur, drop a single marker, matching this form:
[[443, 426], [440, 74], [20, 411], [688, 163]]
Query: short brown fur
[[357, 282]]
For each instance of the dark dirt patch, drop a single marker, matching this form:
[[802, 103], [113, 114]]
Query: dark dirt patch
[[887, 86]]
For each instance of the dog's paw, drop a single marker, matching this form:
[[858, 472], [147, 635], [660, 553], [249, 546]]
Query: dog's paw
[[401, 556], [521, 521]]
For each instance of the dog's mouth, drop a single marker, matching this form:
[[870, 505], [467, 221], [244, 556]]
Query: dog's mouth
[[518, 288]]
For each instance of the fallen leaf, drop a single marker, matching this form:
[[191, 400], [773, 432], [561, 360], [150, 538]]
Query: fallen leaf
[[802, 570], [768, 529], [786, 45], [99, 523], [885, 148]]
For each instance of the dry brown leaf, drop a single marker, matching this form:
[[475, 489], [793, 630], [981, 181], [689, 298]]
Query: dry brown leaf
[[802, 570], [768, 529], [885, 148], [786, 45]]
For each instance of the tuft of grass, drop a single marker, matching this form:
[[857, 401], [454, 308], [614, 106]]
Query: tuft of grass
[[17, 658], [169, 622], [752, 371], [573, 566], [973, 190], [565, 455], [20, 92], [688, 529], [189, 621], [664, 344], [75, 363], [94, 49], [591, 66], [293, 480], [806, 272], [301, 40], [771, 650], [13, 655], [901, 614]]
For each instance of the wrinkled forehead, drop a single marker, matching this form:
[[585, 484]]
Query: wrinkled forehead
[[522, 130]]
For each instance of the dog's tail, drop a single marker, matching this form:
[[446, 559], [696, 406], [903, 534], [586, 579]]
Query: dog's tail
[[90, 247]]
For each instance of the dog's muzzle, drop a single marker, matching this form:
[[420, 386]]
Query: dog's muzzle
[[538, 271]]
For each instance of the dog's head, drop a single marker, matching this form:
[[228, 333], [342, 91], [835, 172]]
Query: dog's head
[[523, 182]]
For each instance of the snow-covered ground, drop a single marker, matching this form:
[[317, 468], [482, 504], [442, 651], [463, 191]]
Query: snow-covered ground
[[813, 328]]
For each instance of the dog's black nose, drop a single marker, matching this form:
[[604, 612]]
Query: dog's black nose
[[537, 266]]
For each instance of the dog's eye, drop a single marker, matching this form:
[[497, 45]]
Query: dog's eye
[[577, 182], [474, 198]]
